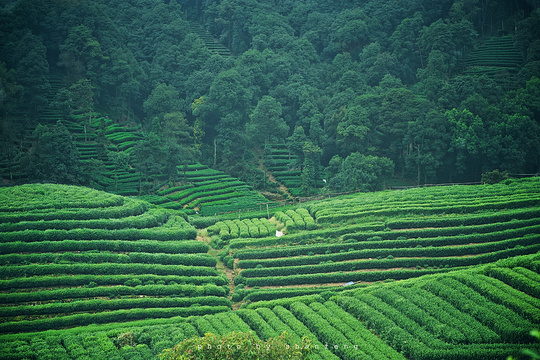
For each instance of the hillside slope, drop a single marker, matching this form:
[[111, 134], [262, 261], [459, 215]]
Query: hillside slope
[[75, 256], [114, 277]]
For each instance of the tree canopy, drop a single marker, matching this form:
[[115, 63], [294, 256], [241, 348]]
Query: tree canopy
[[443, 92], [241, 346]]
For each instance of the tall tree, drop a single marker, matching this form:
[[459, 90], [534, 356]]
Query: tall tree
[[266, 122], [468, 142], [120, 160], [81, 99], [353, 130], [148, 160], [176, 129], [399, 107], [311, 171], [434, 76], [296, 143], [162, 100], [53, 156], [350, 30], [32, 72], [10, 91], [360, 172], [428, 142], [81, 54], [404, 46]]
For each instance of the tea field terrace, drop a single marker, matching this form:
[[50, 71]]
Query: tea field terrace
[[477, 307], [392, 235], [75, 256], [100, 142], [197, 186], [481, 313], [206, 191], [498, 59]]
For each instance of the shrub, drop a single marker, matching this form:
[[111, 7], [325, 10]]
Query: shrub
[[494, 177], [238, 346], [133, 282]]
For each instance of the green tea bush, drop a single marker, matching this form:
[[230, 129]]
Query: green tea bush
[[105, 280], [106, 268], [148, 246], [499, 292], [234, 230], [516, 279], [298, 221], [111, 304], [322, 278], [507, 324], [285, 219], [299, 328], [130, 207], [106, 317]]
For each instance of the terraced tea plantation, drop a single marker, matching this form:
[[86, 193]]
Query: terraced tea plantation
[[397, 235], [208, 191], [106, 150], [498, 58], [74, 256], [285, 167], [430, 273]]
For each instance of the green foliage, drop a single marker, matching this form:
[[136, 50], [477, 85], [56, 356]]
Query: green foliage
[[391, 247], [358, 172], [107, 253], [379, 94], [105, 280], [530, 353], [164, 99], [266, 121], [55, 157], [296, 219], [494, 177], [286, 302], [84, 319], [238, 346], [370, 80], [116, 304]]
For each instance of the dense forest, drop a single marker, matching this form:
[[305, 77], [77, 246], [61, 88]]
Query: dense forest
[[362, 93]]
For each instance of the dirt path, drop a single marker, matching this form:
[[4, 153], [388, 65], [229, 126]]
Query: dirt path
[[220, 266], [273, 180]]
